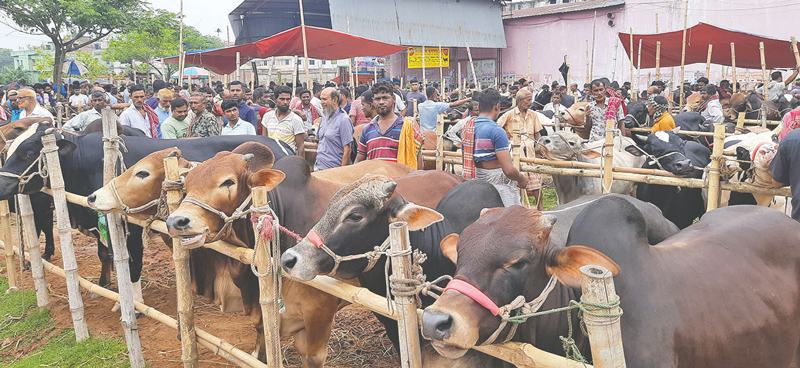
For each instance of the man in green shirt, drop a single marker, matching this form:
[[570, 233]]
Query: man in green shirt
[[178, 123]]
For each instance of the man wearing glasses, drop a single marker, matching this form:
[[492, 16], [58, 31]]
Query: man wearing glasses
[[26, 99]]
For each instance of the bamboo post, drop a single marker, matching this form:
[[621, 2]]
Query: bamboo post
[[50, 151], [588, 73], [733, 66], [460, 89], [683, 53], [708, 61], [181, 55], [569, 73], [529, 59], [740, 122], [765, 81], [796, 52], [320, 75], [183, 280], [32, 244], [594, 32], [472, 65], [605, 335], [268, 287], [305, 45], [118, 242], [238, 63], [59, 116], [5, 222], [416, 109], [516, 152], [714, 174], [608, 155], [408, 329], [441, 74], [631, 56], [351, 61], [638, 71], [424, 75], [439, 142], [658, 60]]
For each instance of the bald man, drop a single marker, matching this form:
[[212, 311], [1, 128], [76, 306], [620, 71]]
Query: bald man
[[26, 99], [531, 128], [335, 132]]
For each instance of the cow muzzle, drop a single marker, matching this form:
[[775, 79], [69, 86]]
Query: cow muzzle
[[181, 227], [302, 261], [103, 201], [448, 332]]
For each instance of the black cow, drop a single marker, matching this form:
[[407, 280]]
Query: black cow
[[82, 167], [682, 158], [358, 218]]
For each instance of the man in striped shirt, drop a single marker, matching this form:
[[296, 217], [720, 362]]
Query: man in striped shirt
[[283, 124], [380, 139]]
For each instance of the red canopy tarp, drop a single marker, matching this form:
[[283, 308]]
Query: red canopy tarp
[[323, 44], [777, 53]]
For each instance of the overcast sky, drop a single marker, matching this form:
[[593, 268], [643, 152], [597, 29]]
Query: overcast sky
[[205, 15]]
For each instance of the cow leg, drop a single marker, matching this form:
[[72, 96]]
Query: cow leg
[[105, 260], [135, 251], [312, 342], [43, 218]]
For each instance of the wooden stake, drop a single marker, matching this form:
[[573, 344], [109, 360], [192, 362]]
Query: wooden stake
[[608, 155], [5, 223], [683, 53], [406, 309], [708, 62], [733, 66], [118, 243], [32, 246], [472, 65], [439, 142], [605, 335], [594, 32], [183, 281], [50, 151], [269, 296], [658, 60], [713, 174]]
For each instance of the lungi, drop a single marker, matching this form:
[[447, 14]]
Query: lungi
[[507, 188]]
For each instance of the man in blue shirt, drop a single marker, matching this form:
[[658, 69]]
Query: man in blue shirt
[[414, 94], [13, 107], [429, 109], [335, 132], [492, 154], [246, 112]]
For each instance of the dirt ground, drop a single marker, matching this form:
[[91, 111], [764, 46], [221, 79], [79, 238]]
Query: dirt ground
[[358, 339]]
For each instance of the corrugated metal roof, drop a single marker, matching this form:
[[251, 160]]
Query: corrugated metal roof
[[254, 20], [561, 8]]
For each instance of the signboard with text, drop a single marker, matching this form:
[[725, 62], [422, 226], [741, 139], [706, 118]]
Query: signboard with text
[[432, 57]]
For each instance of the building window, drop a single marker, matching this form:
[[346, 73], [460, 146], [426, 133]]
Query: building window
[[553, 1], [311, 62]]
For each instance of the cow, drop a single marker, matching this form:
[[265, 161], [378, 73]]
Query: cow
[[297, 197], [82, 167], [683, 298], [357, 221], [667, 151], [567, 146], [575, 116]]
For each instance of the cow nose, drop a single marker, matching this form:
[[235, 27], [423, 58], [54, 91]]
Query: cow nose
[[545, 140], [288, 261], [437, 326], [178, 222], [683, 166], [91, 198]]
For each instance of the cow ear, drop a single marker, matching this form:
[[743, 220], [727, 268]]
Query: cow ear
[[448, 245], [417, 217], [266, 178], [591, 154], [566, 264], [632, 149], [487, 211], [65, 146]]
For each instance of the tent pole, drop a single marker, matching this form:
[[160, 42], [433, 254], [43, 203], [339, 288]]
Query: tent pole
[[441, 74], [529, 59], [471, 65], [708, 61], [683, 52], [350, 63], [269, 72], [733, 66], [424, 75], [631, 57], [658, 60], [181, 56], [588, 73], [305, 45], [460, 90], [638, 70], [765, 83], [594, 32], [238, 63]]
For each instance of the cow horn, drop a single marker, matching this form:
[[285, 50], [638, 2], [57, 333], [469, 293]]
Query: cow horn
[[389, 188], [247, 157], [173, 153], [548, 221]]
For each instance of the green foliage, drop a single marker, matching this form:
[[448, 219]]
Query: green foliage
[[9, 74], [549, 199], [34, 324], [43, 63], [64, 351], [5, 58], [150, 44]]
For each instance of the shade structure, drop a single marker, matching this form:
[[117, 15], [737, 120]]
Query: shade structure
[[323, 44], [778, 53], [74, 67], [192, 72], [361, 78]]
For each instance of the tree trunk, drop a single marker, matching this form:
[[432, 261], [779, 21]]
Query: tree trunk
[[58, 62]]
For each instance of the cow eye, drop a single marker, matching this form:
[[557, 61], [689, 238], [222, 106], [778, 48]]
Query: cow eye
[[227, 183], [30, 154], [354, 217], [571, 143], [142, 174], [519, 265]]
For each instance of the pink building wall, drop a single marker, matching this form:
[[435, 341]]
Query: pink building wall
[[553, 36]]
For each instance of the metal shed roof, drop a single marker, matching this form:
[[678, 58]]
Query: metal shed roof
[[561, 8]]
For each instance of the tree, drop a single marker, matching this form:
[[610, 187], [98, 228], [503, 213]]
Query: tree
[[5, 58], [9, 74], [44, 64], [149, 46], [73, 24]]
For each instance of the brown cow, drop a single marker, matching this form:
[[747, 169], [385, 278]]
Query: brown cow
[[575, 115], [716, 294], [223, 183], [16, 128]]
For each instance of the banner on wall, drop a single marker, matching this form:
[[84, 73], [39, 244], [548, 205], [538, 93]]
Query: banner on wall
[[432, 57]]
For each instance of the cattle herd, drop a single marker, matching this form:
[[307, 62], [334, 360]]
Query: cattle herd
[[697, 289]]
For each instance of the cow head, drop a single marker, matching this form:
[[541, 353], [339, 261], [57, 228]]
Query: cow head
[[223, 183], [637, 116], [565, 146], [138, 185], [357, 219], [575, 114], [667, 148], [503, 255], [692, 102], [22, 157]]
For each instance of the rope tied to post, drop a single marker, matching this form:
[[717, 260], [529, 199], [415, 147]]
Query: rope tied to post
[[120, 148], [267, 227]]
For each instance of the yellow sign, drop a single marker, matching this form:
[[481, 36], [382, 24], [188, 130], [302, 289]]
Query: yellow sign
[[432, 57]]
